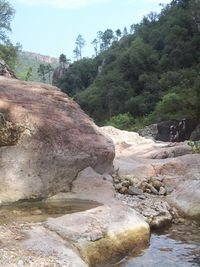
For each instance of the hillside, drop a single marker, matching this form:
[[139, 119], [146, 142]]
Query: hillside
[[27, 60], [146, 77]]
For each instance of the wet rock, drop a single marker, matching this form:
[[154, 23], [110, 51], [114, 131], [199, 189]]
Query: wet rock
[[119, 228], [161, 220]]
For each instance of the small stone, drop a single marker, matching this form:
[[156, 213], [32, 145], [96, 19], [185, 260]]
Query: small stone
[[142, 197], [126, 183], [118, 187], [162, 191], [20, 263], [157, 184], [36, 212], [134, 191], [116, 181], [123, 190], [153, 190], [148, 190]]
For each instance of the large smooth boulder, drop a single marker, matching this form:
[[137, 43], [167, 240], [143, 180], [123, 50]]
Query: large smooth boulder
[[45, 141], [103, 235]]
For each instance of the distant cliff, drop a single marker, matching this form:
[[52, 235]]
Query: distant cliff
[[30, 60], [39, 57]]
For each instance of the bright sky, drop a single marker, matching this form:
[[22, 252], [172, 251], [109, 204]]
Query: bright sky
[[50, 27]]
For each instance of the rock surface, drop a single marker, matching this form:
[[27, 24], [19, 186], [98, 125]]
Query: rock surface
[[174, 131], [46, 140], [141, 161], [5, 70], [104, 234]]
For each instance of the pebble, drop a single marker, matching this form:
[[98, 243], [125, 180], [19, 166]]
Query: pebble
[[134, 191], [162, 191]]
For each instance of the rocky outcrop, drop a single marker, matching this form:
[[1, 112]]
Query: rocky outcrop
[[147, 168], [6, 71], [149, 131], [45, 141], [169, 131], [175, 131], [39, 57]]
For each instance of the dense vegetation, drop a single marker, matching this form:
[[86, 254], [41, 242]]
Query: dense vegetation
[[8, 51], [146, 76]]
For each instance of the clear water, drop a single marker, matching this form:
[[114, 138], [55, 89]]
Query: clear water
[[38, 211], [178, 246]]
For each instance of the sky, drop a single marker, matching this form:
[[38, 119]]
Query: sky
[[50, 27]]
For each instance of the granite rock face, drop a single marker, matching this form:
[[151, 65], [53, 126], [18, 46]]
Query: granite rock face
[[174, 164], [45, 141]]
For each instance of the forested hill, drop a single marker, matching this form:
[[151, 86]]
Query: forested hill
[[144, 77], [28, 63]]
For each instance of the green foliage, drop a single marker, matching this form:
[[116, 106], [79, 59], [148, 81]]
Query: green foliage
[[8, 51], [45, 72], [79, 76], [121, 121], [195, 145], [152, 74], [6, 15]]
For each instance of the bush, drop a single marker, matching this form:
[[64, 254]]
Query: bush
[[195, 145], [122, 121]]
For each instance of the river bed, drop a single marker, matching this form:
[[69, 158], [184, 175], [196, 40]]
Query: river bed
[[177, 246]]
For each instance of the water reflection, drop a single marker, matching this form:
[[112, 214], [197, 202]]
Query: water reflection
[[178, 246]]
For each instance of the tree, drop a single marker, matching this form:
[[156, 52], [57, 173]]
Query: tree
[[118, 33], [6, 15], [49, 71], [28, 74], [8, 52], [42, 72], [107, 38], [80, 43], [95, 43], [76, 53], [125, 32]]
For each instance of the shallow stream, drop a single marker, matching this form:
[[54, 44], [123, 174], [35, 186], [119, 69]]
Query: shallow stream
[[177, 246], [38, 211]]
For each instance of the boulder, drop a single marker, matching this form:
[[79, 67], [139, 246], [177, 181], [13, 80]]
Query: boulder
[[103, 235], [45, 141], [149, 131], [175, 131], [195, 136], [186, 198]]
